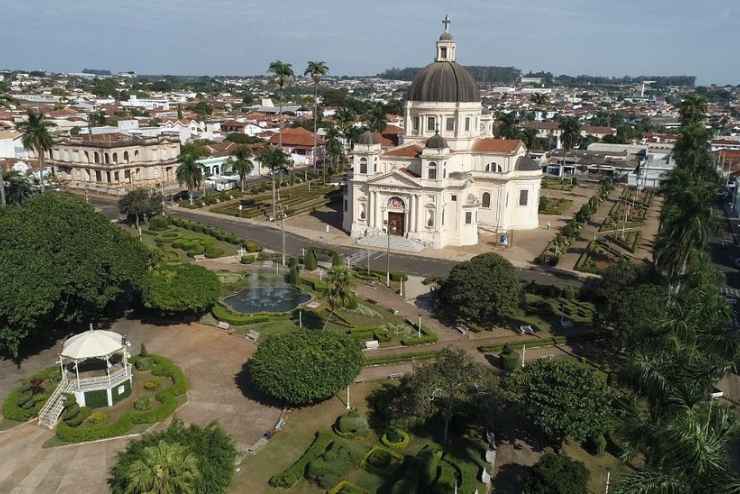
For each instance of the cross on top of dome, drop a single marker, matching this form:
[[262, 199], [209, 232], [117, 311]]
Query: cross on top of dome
[[446, 22]]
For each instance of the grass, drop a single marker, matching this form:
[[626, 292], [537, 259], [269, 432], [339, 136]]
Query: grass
[[596, 465], [554, 205], [167, 240], [6, 424]]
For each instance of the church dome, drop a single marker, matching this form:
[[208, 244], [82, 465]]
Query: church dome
[[436, 142], [444, 82], [445, 36]]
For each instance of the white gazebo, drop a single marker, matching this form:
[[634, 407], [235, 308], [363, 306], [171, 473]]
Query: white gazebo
[[96, 360]]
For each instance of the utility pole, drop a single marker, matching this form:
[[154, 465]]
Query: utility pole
[[282, 227], [388, 249]]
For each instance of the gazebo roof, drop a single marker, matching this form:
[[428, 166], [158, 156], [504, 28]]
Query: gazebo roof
[[92, 344]]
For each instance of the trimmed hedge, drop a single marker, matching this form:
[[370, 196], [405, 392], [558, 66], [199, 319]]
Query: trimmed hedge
[[161, 367], [225, 314], [404, 357], [290, 476], [414, 340], [395, 438]]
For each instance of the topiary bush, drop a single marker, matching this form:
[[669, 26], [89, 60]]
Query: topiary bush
[[395, 438], [246, 259], [151, 385], [289, 477], [304, 367], [142, 404], [159, 223], [214, 251], [252, 246], [352, 424]]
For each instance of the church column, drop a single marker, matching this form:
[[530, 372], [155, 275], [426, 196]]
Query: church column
[[418, 212], [369, 210], [411, 213]]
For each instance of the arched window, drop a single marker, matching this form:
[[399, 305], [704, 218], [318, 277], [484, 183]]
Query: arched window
[[363, 165], [115, 157], [87, 156], [430, 218], [97, 157], [488, 167], [125, 156], [486, 200], [107, 158], [432, 171], [499, 169], [363, 211]]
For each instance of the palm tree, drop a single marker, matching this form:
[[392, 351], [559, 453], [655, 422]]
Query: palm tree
[[18, 188], [242, 164], [167, 468], [36, 136], [570, 134], [345, 121], [339, 293], [688, 454], [189, 173], [376, 118], [277, 162], [282, 74], [334, 147], [316, 70]]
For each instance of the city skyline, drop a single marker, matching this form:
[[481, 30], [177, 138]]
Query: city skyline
[[225, 37]]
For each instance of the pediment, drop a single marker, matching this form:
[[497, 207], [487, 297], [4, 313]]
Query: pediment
[[395, 178]]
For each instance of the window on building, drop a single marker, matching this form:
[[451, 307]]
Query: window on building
[[523, 197], [127, 174], [430, 218], [345, 205], [453, 198], [98, 177], [486, 200], [450, 124], [432, 171], [107, 158], [363, 165], [363, 211], [443, 52], [116, 176], [468, 217], [467, 124], [125, 156], [115, 157], [96, 157], [431, 124], [417, 123], [443, 217]]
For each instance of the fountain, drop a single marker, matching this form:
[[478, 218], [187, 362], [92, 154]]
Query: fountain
[[266, 294]]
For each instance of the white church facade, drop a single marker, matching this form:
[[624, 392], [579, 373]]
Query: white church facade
[[449, 176]]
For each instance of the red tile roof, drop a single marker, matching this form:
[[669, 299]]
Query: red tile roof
[[392, 130], [496, 146], [410, 151], [296, 137], [594, 129]]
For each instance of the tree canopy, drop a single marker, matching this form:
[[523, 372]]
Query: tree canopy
[[208, 449], [61, 262], [563, 398], [305, 367], [556, 474], [180, 288], [483, 290]]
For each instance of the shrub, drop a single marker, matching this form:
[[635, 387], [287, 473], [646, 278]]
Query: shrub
[[96, 418], [252, 246], [246, 259], [142, 404], [225, 314], [310, 261], [159, 223], [415, 340], [25, 401], [430, 458], [289, 477], [292, 276], [510, 361], [597, 445], [213, 251], [333, 464], [352, 424], [305, 367], [395, 438], [556, 474], [143, 351], [79, 418], [151, 385], [180, 288], [337, 261], [142, 363]]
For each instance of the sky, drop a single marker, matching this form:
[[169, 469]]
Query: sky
[[241, 37]]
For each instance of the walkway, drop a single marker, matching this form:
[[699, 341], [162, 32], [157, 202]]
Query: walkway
[[569, 259]]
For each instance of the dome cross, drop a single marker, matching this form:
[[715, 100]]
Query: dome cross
[[446, 22]]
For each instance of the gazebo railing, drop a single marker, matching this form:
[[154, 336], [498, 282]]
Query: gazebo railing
[[91, 383]]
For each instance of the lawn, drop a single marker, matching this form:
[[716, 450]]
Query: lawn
[[554, 205], [597, 466]]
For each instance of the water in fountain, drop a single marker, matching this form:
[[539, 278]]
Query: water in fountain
[[266, 293]]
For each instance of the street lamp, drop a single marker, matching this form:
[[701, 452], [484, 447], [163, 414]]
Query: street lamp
[[384, 210], [282, 227]]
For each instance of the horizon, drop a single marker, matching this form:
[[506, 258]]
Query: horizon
[[199, 40]]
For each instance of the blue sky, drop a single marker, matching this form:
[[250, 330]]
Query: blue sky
[[600, 37]]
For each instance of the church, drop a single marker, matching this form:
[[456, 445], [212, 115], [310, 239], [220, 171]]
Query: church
[[449, 176]]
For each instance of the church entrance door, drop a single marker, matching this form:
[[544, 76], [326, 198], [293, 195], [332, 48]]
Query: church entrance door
[[396, 223]]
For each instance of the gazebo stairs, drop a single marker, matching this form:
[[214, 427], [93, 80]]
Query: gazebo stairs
[[49, 414]]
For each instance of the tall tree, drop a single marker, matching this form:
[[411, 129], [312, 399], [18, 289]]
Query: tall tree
[[37, 136], [242, 164], [334, 146], [507, 125], [166, 468], [377, 119], [17, 188], [444, 387], [282, 75], [570, 132], [316, 70], [339, 292], [274, 159], [140, 204], [190, 174]]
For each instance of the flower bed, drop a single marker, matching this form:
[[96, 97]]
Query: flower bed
[[167, 399], [25, 401]]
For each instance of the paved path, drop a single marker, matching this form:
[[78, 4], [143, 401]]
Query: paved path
[[212, 361]]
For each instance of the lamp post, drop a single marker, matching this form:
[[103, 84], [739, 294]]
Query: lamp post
[[282, 227], [384, 210]]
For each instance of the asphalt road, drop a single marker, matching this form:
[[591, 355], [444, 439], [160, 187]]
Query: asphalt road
[[271, 238]]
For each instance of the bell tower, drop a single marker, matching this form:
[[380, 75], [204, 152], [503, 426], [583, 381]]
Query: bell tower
[[446, 45]]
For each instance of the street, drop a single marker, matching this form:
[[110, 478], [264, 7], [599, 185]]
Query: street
[[271, 238]]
